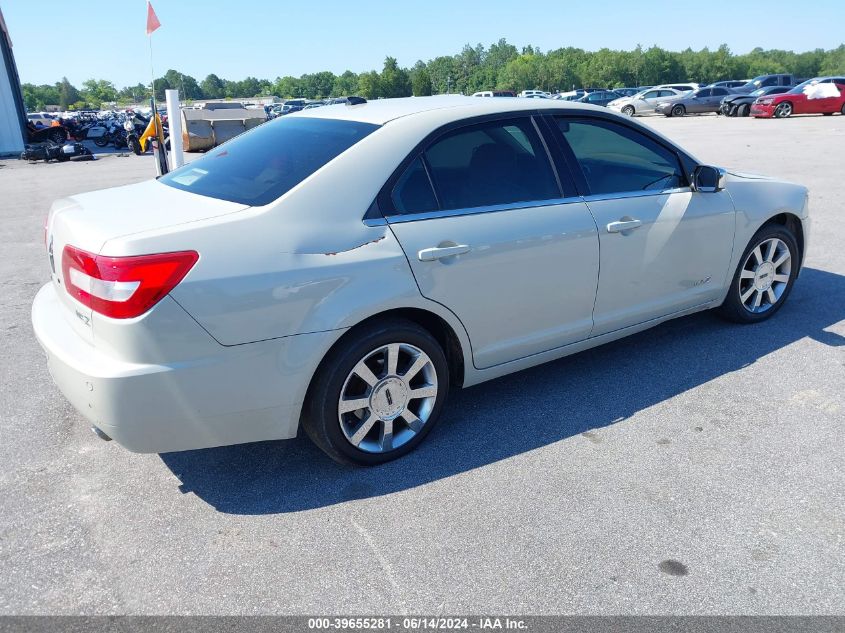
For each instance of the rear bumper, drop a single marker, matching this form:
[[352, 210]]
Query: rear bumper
[[237, 394]]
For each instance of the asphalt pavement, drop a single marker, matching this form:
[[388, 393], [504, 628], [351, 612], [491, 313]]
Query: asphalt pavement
[[696, 468]]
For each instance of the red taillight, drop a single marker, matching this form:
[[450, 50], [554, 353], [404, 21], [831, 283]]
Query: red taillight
[[123, 287]]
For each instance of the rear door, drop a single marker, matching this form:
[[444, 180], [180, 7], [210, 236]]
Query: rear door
[[664, 248], [493, 233]]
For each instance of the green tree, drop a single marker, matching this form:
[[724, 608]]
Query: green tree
[[420, 80], [98, 91], [369, 85], [68, 94], [345, 85], [213, 87], [394, 81]]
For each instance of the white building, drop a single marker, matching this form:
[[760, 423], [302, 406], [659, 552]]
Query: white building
[[12, 111]]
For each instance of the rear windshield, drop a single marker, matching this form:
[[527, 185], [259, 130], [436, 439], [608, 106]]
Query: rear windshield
[[263, 164]]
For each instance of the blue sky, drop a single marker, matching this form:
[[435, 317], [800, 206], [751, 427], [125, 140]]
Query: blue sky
[[106, 40]]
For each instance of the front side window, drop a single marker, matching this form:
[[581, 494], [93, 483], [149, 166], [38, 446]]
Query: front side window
[[498, 162], [652, 94], [261, 165], [617, 159]]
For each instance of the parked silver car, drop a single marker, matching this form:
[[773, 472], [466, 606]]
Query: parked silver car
[[644, 102], [345, 267], [698, 101]]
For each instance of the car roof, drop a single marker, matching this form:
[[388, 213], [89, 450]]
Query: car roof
[[381, 111]]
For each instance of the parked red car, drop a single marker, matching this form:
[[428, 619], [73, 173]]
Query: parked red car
[[796, 102]]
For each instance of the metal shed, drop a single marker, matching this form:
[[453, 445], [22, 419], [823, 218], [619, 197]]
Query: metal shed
[[12, 111]]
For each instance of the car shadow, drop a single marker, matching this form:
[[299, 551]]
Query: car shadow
[[517, 413]]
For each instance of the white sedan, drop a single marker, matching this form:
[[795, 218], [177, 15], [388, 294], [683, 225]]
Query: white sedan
[[343, 268]]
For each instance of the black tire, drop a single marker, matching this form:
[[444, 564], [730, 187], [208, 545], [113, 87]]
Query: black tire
[[101, 141], [57, 136], [135, 145], [628, 110], [733, 308], [842, 111], [678, 110], [320, 411], [743, 110]]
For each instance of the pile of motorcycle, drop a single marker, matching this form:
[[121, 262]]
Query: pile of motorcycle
[[122, 130], [60, 153]]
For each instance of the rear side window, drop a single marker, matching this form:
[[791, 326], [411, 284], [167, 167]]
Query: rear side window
[[618, 159], [265, 163], [499, 162], [412, 192]]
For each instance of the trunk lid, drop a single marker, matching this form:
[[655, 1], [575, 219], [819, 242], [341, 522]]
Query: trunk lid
[[89, 220]]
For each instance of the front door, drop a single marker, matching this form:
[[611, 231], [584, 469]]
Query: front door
[[490, 234], [664, 248]]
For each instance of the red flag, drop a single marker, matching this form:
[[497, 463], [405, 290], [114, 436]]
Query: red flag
[[152, 19]]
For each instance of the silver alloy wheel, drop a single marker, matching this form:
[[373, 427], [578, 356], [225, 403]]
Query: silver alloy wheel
[[387, 397], [628, 110], [783, 110], [765, 275]]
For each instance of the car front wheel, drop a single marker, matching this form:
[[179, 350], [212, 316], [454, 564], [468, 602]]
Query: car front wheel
[[679, 110], [764, 277], [783, 110], [377, 394], [628, 110]]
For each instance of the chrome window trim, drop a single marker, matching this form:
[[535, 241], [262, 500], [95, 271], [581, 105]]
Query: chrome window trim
[[494, 208], [513, 206], [635, 194]]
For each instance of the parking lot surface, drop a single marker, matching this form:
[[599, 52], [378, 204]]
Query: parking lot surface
[[696, 468]]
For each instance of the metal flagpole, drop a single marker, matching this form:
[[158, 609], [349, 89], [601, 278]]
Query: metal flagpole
[[158, 150]]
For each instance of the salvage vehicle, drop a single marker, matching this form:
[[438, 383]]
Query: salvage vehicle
[[643, 102], [699, 101], [800, 100], [767, 81], [740, 105], [54, 134], [343, 268]]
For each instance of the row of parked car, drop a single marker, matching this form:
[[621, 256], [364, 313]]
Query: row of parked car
[[777, 95]]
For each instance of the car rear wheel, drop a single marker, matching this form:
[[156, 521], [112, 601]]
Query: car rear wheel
[[628, 110], [679, 110], [377, 394], [765, 276], [783, 110]]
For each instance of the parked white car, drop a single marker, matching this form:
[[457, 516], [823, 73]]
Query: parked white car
[[347, 266], [535, 94], [44, 119], [644, 102]]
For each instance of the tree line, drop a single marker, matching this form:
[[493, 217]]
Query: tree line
[[499, 66]]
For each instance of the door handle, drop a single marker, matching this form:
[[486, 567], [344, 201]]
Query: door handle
[[430, 254], [623, 225]]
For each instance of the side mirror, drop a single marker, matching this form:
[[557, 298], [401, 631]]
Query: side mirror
[[707, 179]]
